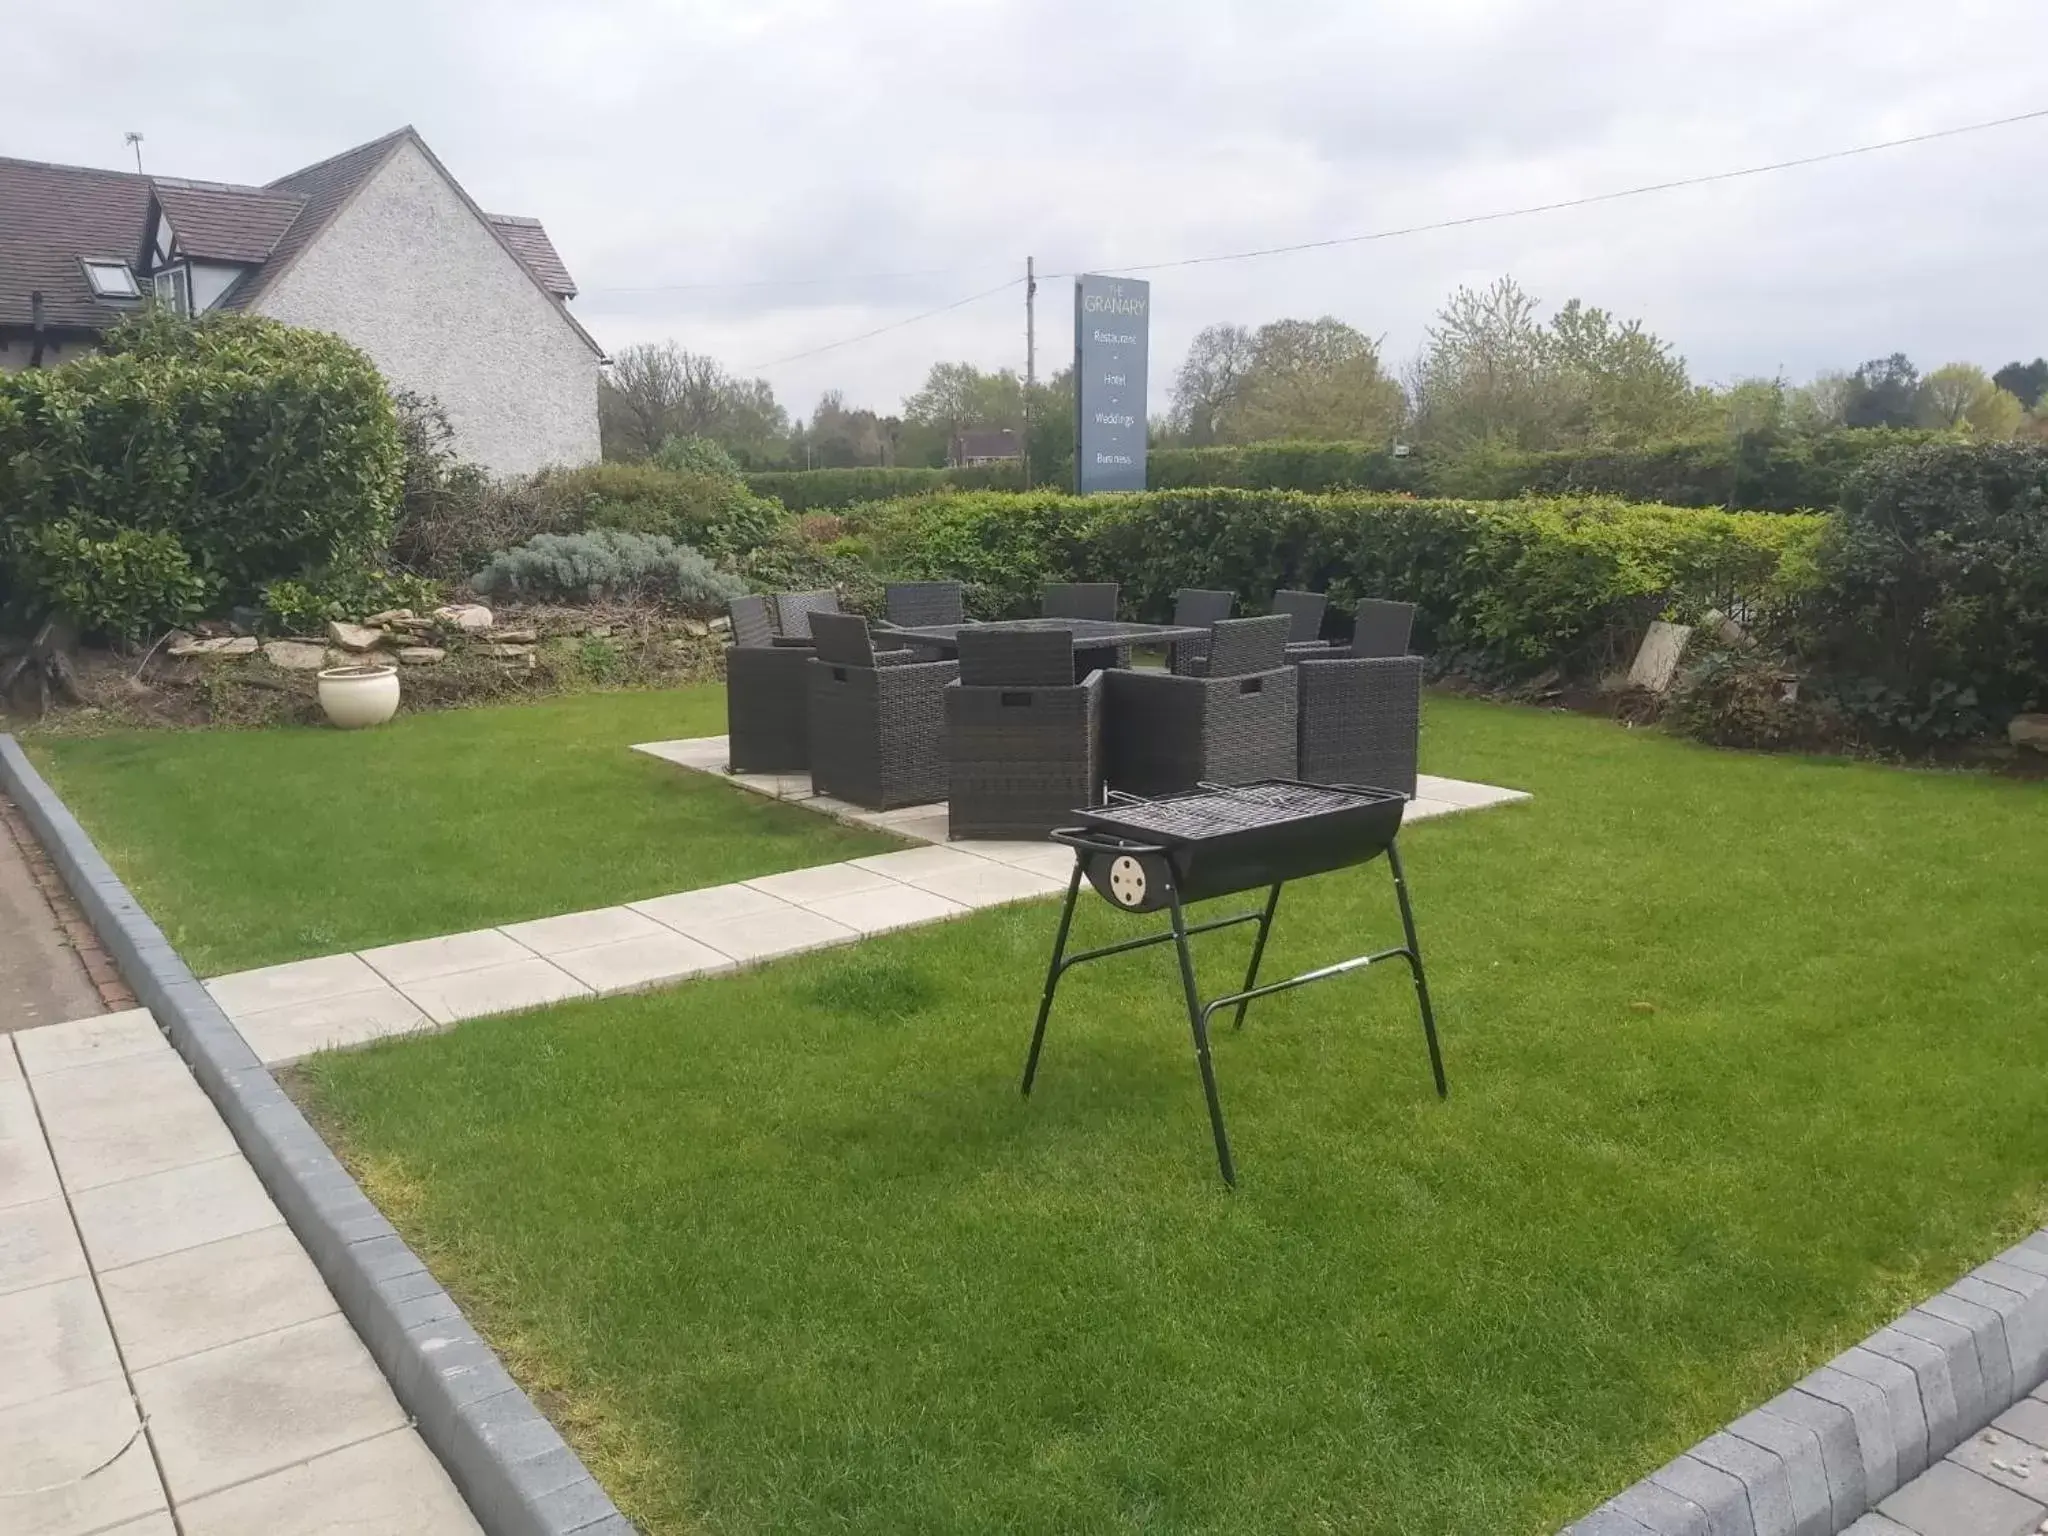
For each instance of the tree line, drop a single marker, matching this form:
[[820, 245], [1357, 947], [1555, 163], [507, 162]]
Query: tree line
[[1493, 373]]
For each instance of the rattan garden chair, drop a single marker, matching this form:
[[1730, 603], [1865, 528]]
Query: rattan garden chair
[[910, 604], [1360, 720], [767, 694], [1166, 732], [1023, 740], [1307, 610], [1382, 628], [1079, 600], [793, 611], [877, 731], [1194, 608]]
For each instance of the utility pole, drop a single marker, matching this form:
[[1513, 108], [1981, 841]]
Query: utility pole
[[1030, 355]]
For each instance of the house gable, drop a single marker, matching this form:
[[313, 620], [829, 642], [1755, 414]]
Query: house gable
[[409, 269]]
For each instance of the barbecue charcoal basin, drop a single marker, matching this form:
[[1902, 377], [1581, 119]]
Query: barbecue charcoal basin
[[1214, 842]]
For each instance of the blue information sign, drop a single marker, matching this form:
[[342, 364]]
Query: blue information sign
[[1112, 331]]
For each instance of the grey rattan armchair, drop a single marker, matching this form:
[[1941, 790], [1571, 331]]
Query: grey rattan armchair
[[912, 603], [1166, 732], [1086, 600], [878, 732], [1360, 720], [1024, 740], [1306, 609], [1382, 628], [793, 611], [767, 695], [1197, 609]]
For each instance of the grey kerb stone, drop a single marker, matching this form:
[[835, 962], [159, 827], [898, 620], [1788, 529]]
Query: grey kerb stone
[[515, 1471]]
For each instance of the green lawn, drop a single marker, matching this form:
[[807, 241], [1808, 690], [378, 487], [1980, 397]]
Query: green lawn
[[251, 847], [1744, 1056]]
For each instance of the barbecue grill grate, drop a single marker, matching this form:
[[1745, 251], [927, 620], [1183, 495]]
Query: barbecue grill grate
[[1213, 812]]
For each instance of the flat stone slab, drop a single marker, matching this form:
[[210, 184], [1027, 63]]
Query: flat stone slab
[[390, 1485], [54, 1442], [1951, 1500], [126, 1118], [506, 988], [162, 1213], [634, 965], [197, 1299], [53, 1339], [90, 1042]]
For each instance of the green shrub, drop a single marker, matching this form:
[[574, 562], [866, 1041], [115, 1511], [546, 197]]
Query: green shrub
[[463, 520], [697, 456], [1929, 613], [1287, 467], [608, 563], [121, 583], [261, 449], [1751, 701], [302, 606]]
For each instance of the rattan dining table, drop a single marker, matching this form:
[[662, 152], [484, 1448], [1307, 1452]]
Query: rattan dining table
[[1097, 642]]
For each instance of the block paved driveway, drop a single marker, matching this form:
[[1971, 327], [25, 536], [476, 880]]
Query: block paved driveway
[[43, 977], [171, 1363]]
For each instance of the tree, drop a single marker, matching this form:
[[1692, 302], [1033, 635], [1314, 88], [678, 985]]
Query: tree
[[2028, 382], [1959, 397], [1617, 383], [956, 397], [1210, 379], [1884, 392], [1821, 405], [1480, 378], [658, 390], [1317, 379], [1752, 405]]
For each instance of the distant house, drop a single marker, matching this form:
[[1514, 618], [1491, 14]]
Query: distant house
[[379, 245], [995, 446]]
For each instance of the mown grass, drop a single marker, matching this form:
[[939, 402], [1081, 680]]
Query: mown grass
[[1744, 1057], [252, 847]]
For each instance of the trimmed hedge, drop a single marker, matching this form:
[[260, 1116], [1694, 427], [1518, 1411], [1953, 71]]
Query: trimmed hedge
[[1758, 472], [1502, 589], [828, 490]]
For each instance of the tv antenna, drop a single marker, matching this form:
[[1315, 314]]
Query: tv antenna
[[134, 139]]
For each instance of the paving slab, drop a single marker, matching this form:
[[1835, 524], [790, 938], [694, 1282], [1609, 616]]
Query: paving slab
[[261, 1405], [807, 887], [162, 1213], [633, 965], [201, 1298], [1951, 1500], [2025, 1420], [53, 1339], [299, 981], [82, 1448], [1052, 859], [126, 1118], [766, 935], [26, 1172], [689, 910], [2007, 1460], [281, 1035], [38, 1245], [505, 988], [390, 1485], [551, 936], [884, 911], [989, 885], [450, 955], [90, 1042], [912, 864]]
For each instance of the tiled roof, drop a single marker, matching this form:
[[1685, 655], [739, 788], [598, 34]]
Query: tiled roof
[[323, 188], [216, 222], [50, 217], [531, 245]]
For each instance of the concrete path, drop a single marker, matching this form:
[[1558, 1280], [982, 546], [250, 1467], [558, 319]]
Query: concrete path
[[1994, 1484], [171, 1363], [43, 977], [292, 1010]]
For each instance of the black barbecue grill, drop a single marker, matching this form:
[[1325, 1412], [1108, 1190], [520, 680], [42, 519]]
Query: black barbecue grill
[[1147, 855]]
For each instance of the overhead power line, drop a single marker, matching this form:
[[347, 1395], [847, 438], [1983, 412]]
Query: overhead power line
[[893, 325], [1463, 222], [1573, 202], [823, 280]]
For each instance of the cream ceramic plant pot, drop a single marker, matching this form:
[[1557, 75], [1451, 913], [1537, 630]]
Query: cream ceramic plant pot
[[359, 695]]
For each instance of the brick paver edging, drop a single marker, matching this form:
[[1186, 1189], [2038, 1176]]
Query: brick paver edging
[[1816, 1458], [518, 1475]]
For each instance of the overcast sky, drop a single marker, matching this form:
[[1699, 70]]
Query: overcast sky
[[676, 151]]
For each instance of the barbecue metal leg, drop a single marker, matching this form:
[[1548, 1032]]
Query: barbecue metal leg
[[1414, 954], [1052, 975], [1251, 971], [1198, 1023]]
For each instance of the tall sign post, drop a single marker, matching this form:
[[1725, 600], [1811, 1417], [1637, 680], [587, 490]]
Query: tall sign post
[[1112, 337]]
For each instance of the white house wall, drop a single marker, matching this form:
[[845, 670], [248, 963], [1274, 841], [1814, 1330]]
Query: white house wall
[[211, 279], [411, 276]]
